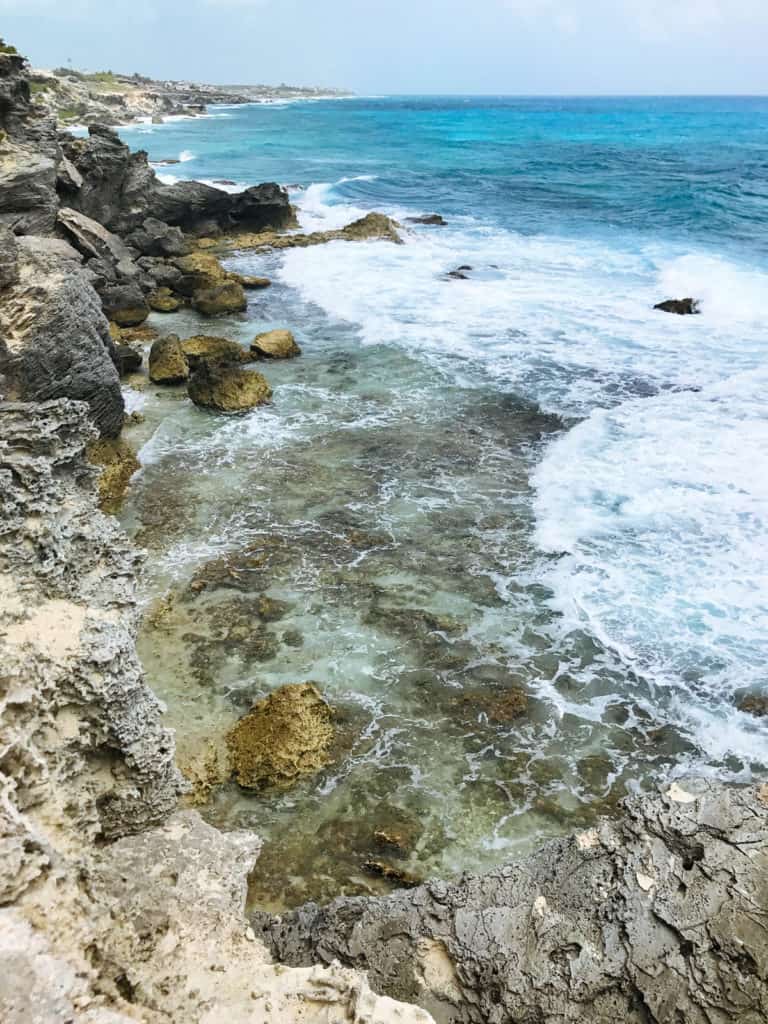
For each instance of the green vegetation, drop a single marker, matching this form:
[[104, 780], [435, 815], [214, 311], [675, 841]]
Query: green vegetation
[[36, 88], [6, 47]]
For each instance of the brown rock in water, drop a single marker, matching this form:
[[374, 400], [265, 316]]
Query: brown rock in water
[[284, 738], [200, 270], [118, 462], [167, 362], [402, 879], [212, 349], [162, 300], [683, 307], [228, 297], [228, 388], [754, 704], [275, 345], [124, 304], [373, 225], [249, 281]]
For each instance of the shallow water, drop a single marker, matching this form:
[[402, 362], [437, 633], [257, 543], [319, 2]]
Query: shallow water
[[469, 493]]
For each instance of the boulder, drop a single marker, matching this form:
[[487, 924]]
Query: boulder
[[155, 238], [228, 388], [284, 738], [212, 349], [373, 225], [275, 345], [754, 704], [190, 205], [167, 362], [54, 339], [163, 272], [68, 178], [91, 239], [199, 270], [248, 281], [431, 219], [228, 297], [125, 304], [260, 207], [683, 307], [127, 359], [162, 300]]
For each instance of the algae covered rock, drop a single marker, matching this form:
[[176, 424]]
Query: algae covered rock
[[162, 300], [199, 270], [212, 349], [279, 344], [228, 388], [227, 297], [118, 463], [167, 362], [373, 225], [284, 738], [124, 304]]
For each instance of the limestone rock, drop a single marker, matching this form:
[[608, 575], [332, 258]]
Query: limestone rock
[[90, 238], [155, 238], [212, 349], [228, 297], [199, 270], [683, 307], [167, 362], [278, 344], [127, 359], [54, 339], [9, 258], [248, 281], [285, 737], [228, 388], [125, 304], [162, 300], [648, 918], [373, 225], [118, 462], [28, 199]]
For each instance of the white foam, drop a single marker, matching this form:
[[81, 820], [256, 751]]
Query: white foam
[[186, 156]]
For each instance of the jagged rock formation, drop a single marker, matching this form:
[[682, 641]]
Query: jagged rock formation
[[658, 918], [54, 339]]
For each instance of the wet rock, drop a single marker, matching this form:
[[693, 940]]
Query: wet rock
[[275, 345], [671, 884], [248, 281], [272, 610], [167, 362], [127, 359], [397, 876], [155, 238], [199, 270], [251, 568], [228, 388], [373, 225], [754, 704], [125, 304], [162, 300], [118, 462], [431, 219], [54, 340], [460, 273], [228, 297], [213, 350], [285, 737], [293, 638], [683, 307], [223, 181], [499, 708]]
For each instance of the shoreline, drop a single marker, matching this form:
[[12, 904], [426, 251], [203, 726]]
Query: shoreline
[[94, 793]]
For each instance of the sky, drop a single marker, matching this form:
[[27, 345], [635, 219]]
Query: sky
[[411, 46]]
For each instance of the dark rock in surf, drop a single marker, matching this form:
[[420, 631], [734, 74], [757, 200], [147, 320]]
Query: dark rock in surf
[[683, 307], [156, 238], [430, 219], [127, 359], [460, 273], [125, 304]]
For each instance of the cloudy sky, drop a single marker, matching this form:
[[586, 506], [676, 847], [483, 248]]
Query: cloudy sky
[[411, 46]]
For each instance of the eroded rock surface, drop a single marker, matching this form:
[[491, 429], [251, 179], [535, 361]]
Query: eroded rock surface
[[657, 918]]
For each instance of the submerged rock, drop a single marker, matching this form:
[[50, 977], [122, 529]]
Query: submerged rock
[[213, 350], [275, 345], [754, 704], [683, 307], [228, 388], [284, 738], [118, 463], [228, 297], [167, 362]]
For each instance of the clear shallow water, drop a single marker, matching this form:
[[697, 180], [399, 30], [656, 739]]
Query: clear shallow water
[[529, 480]]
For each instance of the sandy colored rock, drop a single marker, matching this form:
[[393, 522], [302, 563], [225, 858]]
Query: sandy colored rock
[[284, 738], [228, 388], [167, 362], [278, 344], [200, 270], [118, 462], [162, 300], [213, 349], [372, 226], [228, 297], [249, 281]]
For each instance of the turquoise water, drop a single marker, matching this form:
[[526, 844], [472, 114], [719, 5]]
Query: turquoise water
[[527, 481]]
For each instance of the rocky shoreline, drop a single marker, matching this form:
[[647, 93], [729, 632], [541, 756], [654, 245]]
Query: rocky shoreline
[[116, 905]]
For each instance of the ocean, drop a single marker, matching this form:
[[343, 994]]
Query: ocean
[[518, 521]]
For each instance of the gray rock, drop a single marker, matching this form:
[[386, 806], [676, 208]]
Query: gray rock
[[28, 199], [652, 919], [155, 238], [68, 178], [164, 273], [9, 258], [124, 303], [54, 340], [91, 239]]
